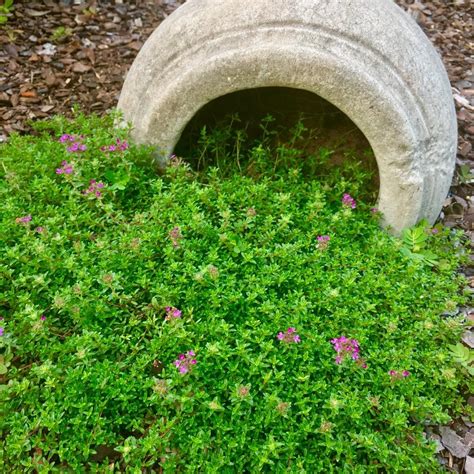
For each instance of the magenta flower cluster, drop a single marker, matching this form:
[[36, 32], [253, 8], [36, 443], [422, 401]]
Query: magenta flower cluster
[[76, 146], [94, 188], [172, 312], [23, 220], [323, 241], [175, 236], [2, 330], [348, 201], [66, 138], [119, 145], [185, 362], [66, 168], [290, 336], [345, 348], [394, 374]]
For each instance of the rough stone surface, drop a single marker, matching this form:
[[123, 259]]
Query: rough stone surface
[[469, 467], [453, 442], [367, 57]]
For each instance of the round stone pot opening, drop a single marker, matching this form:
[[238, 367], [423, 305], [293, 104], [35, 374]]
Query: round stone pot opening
[[327, 126], [367, 58]]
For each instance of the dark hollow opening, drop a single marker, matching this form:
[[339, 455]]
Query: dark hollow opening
[[327, 126]]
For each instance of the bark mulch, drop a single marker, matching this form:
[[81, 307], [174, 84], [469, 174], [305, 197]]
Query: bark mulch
[[54, 54]]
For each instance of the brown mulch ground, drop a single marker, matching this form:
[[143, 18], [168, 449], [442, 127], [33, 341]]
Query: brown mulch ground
[[54, 54]]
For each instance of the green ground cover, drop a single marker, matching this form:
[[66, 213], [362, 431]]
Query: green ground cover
[[247, 318]]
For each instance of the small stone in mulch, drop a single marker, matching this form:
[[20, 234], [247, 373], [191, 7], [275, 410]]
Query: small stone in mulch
[[468, 338], [469, 466], [453, 442]]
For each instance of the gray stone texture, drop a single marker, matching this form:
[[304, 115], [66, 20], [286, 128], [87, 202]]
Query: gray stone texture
[[367, 57]]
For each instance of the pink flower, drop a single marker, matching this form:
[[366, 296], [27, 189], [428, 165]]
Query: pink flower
[[184, 362], [2, 330], [77, 144], [323, 241], [175, 236], [43, 317], [395, 375], [39, 229], [345, 347], [67, 168], [348, 201], [93, 188], [76, 147], [119, 145], [66, 138], [122, 145], [23, 220], [289, 337], [172, 312]]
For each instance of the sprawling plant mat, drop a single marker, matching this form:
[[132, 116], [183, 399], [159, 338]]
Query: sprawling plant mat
[[193, 322]]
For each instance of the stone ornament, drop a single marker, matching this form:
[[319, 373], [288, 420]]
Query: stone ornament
[[366, 57]]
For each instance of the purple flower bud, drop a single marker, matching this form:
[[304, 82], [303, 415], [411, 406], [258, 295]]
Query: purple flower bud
[[185, 362], [66, 138], [289, 337], [348, 201], [24, 219]]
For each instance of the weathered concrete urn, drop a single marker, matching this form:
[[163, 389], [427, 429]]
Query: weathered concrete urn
[[366, 57]]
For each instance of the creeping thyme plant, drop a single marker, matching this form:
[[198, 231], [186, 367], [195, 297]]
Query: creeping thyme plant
[[252, 320]]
